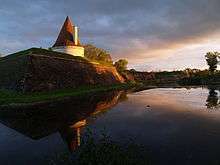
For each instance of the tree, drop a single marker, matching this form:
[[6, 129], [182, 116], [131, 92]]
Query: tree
[[188, 72], [50, 49], [133, 70], [212, 60], [121, 65], [97, 54]]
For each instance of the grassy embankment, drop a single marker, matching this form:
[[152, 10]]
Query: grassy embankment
[[11, 97], [14, 66]]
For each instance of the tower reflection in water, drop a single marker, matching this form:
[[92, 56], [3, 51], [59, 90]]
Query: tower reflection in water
[[72, 135], [66, 117]]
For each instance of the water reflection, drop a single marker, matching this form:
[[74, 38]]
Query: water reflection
[[71, 134], [66, 117], [171, 122], [213, 99]]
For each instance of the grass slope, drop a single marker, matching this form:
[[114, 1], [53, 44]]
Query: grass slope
[[40, 51], [10, 97], [14, 66]]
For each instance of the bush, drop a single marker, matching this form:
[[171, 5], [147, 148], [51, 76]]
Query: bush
[[121, 65], [97, 54]]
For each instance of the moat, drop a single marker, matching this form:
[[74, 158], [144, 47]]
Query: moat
[[176, 125]]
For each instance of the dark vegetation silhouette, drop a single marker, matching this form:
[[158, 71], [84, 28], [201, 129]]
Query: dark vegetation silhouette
[[204, 77], [212, 61], [213, 99], [105, 151]]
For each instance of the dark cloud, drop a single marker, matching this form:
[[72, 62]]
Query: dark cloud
[[120, 26]]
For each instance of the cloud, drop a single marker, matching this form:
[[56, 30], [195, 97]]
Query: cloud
[[142, 30]]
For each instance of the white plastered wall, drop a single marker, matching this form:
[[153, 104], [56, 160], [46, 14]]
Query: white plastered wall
[[73, 50]]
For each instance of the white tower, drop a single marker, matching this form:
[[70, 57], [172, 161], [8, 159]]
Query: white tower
[[76, 35], [68, 40]]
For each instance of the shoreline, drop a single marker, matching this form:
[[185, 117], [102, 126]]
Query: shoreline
[[17, 99], [12, 99]]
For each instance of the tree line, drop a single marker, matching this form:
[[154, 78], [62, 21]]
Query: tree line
[[102, 56]]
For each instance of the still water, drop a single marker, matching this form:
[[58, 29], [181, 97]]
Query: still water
[[176, 125]]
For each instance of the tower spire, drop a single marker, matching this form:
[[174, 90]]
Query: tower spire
[[65, 37], [68, 40]]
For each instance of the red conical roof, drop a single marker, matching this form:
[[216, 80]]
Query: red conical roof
[[66, 38]]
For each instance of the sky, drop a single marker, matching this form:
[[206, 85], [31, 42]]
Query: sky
[[150, 34]]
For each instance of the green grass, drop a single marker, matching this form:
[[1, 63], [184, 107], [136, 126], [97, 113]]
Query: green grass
[[49, 53], [40, 51], [8, 97]]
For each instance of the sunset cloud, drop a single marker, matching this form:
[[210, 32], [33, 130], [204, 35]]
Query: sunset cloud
[[148, 33]]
